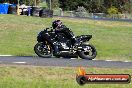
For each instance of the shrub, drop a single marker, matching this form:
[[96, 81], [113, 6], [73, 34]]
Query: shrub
[[81, 12], [113, 12]]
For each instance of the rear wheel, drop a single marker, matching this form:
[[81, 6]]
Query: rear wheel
[[89, 52], [43, 50]]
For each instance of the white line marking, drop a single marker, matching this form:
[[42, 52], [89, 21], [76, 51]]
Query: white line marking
[[6, 55], [125, 61], [19, 62], [94, 59], [108, 60], [73, 58]]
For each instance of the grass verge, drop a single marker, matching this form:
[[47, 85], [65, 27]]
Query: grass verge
[[52, 77]]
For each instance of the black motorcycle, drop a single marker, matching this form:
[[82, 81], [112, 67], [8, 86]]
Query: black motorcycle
[[49, 41]]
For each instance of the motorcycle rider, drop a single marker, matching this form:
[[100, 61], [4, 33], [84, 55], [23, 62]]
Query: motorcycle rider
[[60, 28]]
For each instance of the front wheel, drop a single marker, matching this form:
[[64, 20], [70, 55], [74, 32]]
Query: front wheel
[[43, 50], [88, 52]]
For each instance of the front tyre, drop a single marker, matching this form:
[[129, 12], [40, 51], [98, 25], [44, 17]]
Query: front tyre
[[43, 50], [88, 52]]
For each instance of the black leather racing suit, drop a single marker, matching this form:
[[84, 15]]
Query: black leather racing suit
[[68, 33]]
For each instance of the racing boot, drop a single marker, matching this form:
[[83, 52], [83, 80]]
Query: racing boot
[[56, 49]]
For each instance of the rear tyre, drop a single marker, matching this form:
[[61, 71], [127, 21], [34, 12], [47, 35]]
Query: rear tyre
[[35, 11], [46, 13], [43, 50], [12, 9], [89, 52]]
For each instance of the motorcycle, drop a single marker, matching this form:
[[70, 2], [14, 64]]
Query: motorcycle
[[49, 42]]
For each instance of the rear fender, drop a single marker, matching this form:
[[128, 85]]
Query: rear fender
[[87, 37], [84, 38]]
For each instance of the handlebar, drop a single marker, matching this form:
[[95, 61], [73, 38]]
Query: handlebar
[[51, 29]]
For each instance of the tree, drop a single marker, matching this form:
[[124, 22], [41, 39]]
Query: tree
[[96, 6], [68, 4], [90, 5], [29, 2], [3, 1], [119, 4], [128, 7], [54, 3]]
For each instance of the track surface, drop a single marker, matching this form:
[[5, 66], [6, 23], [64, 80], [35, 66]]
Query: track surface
[[37, 61]]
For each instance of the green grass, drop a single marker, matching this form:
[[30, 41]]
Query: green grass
[[112, 39], [52, 77]]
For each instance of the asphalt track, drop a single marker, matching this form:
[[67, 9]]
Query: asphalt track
[[63, 62]]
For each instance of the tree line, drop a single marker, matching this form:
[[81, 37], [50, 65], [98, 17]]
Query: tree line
[[27, 2], [92, 6]]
